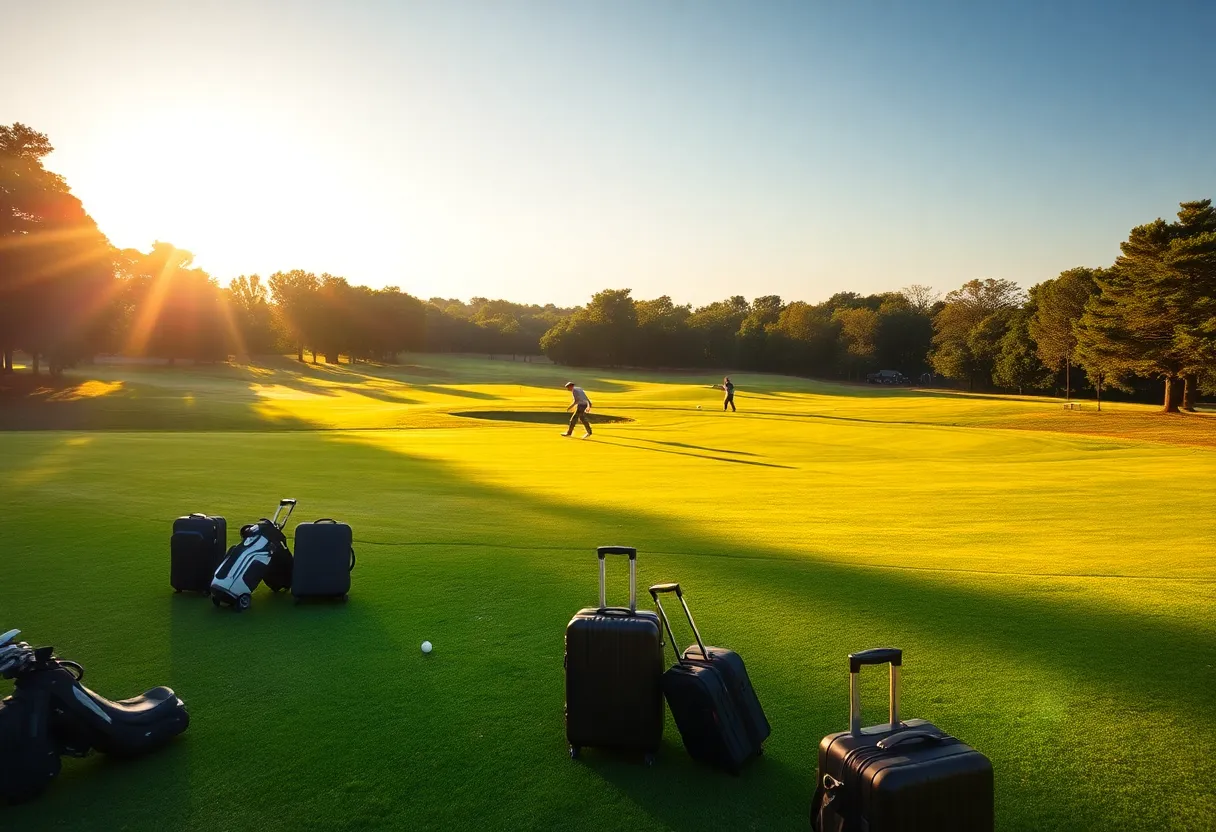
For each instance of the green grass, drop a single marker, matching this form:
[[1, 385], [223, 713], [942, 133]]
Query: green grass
[[1049, 575]]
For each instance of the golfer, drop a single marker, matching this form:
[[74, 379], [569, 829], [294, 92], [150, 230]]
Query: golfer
[[581, 404], [727, 387]]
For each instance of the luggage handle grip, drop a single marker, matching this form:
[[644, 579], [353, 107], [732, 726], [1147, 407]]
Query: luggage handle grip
[[325, 520], [352, 558], [199, 514], [878, 655], [658, 589], [603, 551], [902, 737], [617, 550]]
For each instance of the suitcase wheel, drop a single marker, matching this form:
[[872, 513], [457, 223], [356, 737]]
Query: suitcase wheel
[[215, 599], [243, 602], [649, 759], [574, 751]]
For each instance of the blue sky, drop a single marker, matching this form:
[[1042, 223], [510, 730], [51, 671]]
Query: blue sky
[[541, 151]]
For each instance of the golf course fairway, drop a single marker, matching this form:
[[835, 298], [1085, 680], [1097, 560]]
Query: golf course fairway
[[1049, 574]]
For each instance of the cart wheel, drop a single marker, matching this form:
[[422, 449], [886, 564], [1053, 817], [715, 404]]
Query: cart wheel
[[243, 603], [574, 751], [215, 599]]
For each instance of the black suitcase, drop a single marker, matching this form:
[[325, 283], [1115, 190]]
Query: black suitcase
[[196, 549], [614, 666], [324, 559], [729, 665], [906, 776], [711, 722]]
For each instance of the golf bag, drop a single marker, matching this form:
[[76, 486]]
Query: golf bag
[[614, 662], [28, 757], [907, 776], [262, 555], [51, 713], [196, 549], [711, 698], [323, 560]]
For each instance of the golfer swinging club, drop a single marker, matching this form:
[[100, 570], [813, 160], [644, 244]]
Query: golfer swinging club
[[581, 404]]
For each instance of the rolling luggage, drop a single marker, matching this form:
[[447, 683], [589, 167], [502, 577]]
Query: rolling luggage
[[711, 722], [196, 549], [734, 674], [614, 664], [262, 555], [324, 559], [907, 776]]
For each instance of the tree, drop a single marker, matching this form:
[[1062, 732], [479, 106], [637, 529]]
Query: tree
[[295, 296], [858, 328], [247, 301], [752, 337], [805, 339], [176, 310], [56, 272], [920, 297], [714, 328], [1059, 305], [1155, 313], [663, 335], [904, 336], [1017, 365], [968, 329]]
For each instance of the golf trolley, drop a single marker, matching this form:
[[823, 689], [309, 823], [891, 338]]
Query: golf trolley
[[262, 555], [51, 713]]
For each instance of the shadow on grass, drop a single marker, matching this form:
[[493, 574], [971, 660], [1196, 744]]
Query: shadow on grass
[[538, 417], [625, 443], [694, 447]]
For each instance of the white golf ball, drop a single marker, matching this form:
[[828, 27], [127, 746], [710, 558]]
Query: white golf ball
[[426, 647]]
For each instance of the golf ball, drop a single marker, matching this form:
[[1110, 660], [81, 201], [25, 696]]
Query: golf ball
[[698, 407], [426, 647]]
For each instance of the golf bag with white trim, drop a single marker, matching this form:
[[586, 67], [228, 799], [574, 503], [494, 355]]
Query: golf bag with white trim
[[261, 556], [51, 713]]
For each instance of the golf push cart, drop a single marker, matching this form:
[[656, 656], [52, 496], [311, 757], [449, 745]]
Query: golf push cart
[[262, 555]]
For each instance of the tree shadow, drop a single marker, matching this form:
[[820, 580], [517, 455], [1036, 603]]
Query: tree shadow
[[693, 447], [626, 444], [537, 417]]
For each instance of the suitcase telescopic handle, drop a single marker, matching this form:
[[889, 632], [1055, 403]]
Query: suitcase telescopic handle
[[660, 589], [602, 552], [878, 655], [287, 503]]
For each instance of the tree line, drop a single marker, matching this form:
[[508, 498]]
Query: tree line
[[1143, 323]]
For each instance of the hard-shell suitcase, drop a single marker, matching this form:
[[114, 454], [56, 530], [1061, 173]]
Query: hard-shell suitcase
[[705, 712], [196, 549], [324, 558], [729, 665], [614, 664], [261, 556], [907, 776]]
